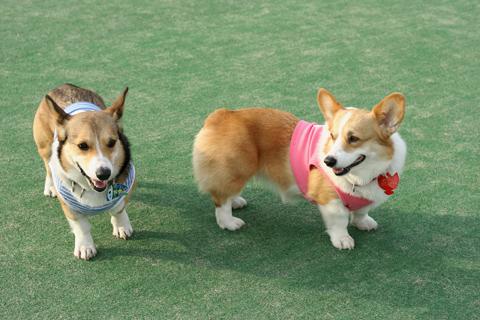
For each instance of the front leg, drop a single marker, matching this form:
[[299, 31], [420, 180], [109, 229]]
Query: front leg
[[335, 216], [49, 190], [84, 247], [122, 228], [363, 221]]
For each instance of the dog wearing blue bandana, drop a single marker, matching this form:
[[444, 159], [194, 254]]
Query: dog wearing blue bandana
[[87, 160]]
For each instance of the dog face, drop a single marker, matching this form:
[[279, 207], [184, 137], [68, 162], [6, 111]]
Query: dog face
[[92, 149], [359, 146]]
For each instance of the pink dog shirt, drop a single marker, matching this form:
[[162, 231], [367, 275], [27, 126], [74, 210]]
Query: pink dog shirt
[[303, 156]]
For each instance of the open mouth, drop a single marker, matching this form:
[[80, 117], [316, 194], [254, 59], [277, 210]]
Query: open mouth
[[342, 171], [96, 185]]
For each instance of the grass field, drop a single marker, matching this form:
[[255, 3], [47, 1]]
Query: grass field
[[184, 59]]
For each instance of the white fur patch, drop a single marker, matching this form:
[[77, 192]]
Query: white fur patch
[[225, 219], [100, 161], [335, 216], [344, 159], [238, 203], [361, 180], [83, 191], [121, 225], [49, 188], [84, 246]]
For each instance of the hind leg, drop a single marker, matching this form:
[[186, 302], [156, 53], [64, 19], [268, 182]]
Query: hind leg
[[224, 216]]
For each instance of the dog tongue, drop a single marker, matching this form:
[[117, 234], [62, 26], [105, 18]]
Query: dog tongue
[[99, 184], [337, 171]]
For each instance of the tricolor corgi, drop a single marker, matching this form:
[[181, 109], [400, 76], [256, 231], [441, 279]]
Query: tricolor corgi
[[87, 159], [349, 165]]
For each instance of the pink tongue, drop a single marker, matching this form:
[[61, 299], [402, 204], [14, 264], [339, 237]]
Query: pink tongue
[[99, 184], [337, 171]]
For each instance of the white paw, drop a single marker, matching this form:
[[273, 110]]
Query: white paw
[[366, 223], [342, 241], [122, 228], [85, 250], [49, 188], [231, 224], [123, 232], [238, 203]]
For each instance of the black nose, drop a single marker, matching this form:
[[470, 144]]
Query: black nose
[[330, 161], [103, 173]]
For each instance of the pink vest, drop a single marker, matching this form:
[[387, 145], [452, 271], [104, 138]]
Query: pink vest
[[303, 156]]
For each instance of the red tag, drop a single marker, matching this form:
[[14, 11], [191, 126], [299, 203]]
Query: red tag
[[388, 182]]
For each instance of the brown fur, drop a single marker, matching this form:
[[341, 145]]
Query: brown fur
[[372, 128], [45, 122], [73, 131], [233, 146], [319, 188]]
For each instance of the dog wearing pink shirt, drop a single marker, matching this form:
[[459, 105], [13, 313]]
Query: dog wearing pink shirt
[[346, 167]]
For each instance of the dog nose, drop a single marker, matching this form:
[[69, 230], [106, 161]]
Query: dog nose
[[103, 173], [330, 161]]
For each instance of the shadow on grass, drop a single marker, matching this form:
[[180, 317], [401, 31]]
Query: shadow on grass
[[411, 258]]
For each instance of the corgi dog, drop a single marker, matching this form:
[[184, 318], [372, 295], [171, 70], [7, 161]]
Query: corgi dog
[[348, 166], [87, 159]]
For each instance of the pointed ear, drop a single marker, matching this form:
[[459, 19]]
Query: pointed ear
[[389, 114], [116, 109], [328, 104], [60, 116]]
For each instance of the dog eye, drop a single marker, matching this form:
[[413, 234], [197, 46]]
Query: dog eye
[[83, 146], [111, 143], [331, 135], [353, 139]]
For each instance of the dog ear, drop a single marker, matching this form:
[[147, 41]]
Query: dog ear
[[389, 114], [328, 104], [116, 109], [57, 112]]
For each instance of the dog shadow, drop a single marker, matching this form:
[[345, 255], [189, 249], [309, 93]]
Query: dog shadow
[[268, 222], [289, 243]]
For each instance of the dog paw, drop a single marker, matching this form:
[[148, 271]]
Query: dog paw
[[344, 242], [85, 251], [122, 228], [231, 224], [366, 223], [123, 232], [49, 190], [238, 203]]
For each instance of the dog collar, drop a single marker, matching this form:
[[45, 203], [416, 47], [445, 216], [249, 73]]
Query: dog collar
[[76, 108], [79, 107], [115, 193], [385, 181]]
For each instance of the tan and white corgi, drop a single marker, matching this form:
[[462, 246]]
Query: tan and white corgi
[[349, 165], [87, 159]]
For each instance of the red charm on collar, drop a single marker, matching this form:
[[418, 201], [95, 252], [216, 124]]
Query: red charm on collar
[[388, 182]]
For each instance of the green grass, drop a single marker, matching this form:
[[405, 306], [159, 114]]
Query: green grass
[[184, 59]]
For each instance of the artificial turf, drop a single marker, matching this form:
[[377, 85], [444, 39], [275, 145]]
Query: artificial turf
[[184, 59]]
